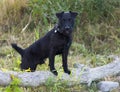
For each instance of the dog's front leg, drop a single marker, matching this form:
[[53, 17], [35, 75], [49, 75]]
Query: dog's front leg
[[64, 60], [51, 62]]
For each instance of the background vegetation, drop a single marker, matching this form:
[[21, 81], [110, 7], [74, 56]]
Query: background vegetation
[[96, 34]]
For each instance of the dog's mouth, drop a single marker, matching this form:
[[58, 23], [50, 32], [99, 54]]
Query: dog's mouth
[[68, 31]]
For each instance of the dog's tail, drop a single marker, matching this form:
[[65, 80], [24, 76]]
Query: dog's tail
[[18, 49]]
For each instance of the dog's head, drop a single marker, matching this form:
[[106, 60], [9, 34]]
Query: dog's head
[[66, 21], [27, 65]]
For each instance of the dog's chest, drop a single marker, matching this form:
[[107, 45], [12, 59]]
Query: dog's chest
[[59, 43]]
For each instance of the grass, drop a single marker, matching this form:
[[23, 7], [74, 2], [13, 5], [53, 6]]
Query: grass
[[12, 11]]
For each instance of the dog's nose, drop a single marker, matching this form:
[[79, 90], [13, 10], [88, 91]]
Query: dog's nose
[[67, 27]]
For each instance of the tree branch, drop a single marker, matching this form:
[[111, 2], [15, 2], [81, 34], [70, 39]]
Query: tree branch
[[79, 75]]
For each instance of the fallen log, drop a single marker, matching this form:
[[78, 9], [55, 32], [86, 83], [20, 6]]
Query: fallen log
[[79, 75]]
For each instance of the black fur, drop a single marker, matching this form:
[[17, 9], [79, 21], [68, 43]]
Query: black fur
[[57, 41]]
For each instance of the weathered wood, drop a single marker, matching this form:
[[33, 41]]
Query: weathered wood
[[79, 75]]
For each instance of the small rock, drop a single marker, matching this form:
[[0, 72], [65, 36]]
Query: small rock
[[107, 86]]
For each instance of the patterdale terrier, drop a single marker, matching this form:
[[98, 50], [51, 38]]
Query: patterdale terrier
[[55, 42]]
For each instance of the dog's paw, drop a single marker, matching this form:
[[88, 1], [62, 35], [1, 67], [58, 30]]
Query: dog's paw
[[54, 72], [67, 71]]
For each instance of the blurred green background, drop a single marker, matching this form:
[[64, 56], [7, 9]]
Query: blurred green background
[[97, 24]]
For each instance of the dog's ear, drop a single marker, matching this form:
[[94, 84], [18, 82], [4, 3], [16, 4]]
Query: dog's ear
[[74, 14], [59, 14]]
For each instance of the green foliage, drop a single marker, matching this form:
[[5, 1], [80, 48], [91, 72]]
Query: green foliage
[[92, 88], [37, 34], [77, 48], [17, 62], [44, 10], [91, 10], [97, 10], [13, 87], [99, 38], [58, 86]]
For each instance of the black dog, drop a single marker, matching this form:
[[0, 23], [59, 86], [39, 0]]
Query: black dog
[[57, 41]]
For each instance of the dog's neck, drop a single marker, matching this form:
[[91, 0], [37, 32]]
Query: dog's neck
[[56, 28]]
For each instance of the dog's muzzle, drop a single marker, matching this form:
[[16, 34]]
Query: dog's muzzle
[[68, 29]]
